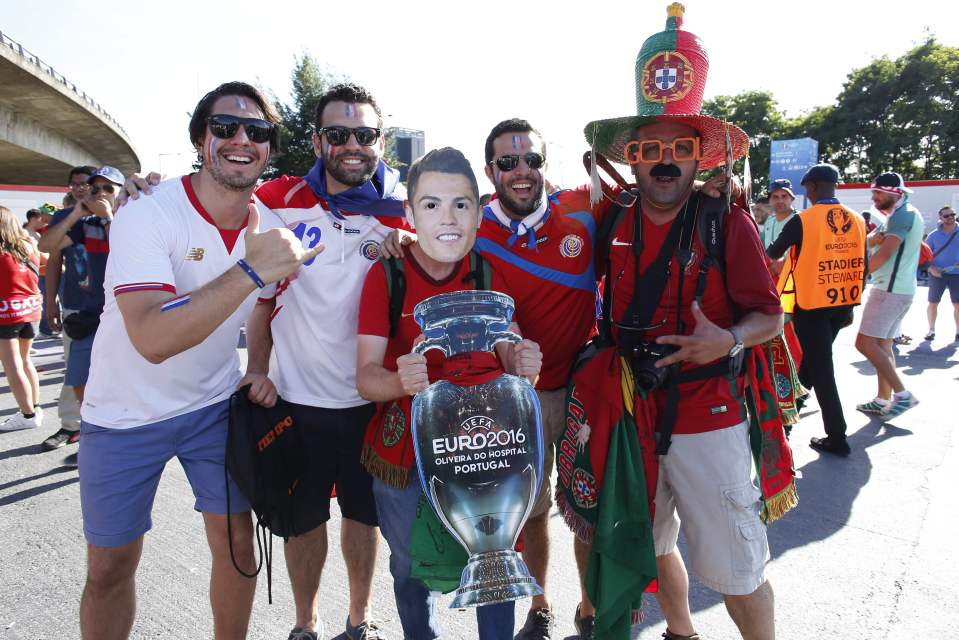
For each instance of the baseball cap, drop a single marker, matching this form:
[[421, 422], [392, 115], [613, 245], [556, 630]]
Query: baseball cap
[[110, 173], [890, 182], [783, 184], [823, 172], [48, 207]]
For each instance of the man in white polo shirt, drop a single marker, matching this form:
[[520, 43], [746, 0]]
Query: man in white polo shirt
[[180, 282]]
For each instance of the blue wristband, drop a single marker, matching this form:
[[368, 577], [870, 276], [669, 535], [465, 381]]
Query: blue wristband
[[250, 272]]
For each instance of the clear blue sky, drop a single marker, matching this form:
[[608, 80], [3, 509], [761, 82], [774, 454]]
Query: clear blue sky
[[453, 69]]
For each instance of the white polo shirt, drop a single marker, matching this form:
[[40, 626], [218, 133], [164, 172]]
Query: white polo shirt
[[315, 319], [165, 241]]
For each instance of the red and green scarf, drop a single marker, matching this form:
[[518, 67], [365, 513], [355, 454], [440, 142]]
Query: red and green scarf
[[607, 463]]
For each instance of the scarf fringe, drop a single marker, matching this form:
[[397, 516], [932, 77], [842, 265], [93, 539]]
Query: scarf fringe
[[580, 527], [394, 475], [775, 507]]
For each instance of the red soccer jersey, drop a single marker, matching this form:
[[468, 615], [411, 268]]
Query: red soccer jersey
[[553, 283], [713, 403], [374, 319], [20, 299]]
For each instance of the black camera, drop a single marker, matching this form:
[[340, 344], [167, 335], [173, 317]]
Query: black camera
[[642, 356]]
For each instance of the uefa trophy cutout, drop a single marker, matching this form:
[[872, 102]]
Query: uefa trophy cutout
[[479, 448]]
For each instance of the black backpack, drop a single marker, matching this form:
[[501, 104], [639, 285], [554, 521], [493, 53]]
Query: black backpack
[[266, 458]]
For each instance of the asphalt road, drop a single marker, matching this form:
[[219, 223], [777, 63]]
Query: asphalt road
[[869, 553]]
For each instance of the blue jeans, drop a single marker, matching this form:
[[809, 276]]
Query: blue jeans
[[396, 511]]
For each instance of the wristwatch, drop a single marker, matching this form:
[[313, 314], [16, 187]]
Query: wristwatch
[[738, 346]]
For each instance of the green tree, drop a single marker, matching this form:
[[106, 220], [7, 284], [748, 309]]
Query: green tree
[[310, 82], [900, 115], [756, 113]]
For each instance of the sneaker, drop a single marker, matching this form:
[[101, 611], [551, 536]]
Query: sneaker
[[899, 406], [539, 625], [298, 633], [584, 625], [18, 421], [931, 335], [72, 460], [366, 630], [59, 439], [828, 445], [874, 407], [902, 339]]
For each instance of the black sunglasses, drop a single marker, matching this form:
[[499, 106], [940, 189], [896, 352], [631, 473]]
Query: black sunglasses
[[225, 127], [105, 188], [365, 136], [510, 162]]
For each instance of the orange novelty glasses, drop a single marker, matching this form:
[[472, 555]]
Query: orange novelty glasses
[[651, 151]]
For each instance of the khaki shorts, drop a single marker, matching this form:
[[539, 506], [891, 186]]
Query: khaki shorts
[[883, 313], [706, 483], [553, 408]]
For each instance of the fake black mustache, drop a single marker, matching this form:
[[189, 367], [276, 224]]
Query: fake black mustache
[[665, 171]]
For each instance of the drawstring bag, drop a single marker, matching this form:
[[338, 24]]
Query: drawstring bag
[[266, 458]]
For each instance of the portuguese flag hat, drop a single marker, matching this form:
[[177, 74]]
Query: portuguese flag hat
[[671, 71]]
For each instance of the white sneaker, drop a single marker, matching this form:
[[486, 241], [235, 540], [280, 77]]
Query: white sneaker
[[17, 422]]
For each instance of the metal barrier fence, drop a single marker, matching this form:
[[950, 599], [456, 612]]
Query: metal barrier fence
[[24, 53]]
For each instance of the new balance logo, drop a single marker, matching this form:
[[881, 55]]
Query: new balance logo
[[619, 243], [195, 254]]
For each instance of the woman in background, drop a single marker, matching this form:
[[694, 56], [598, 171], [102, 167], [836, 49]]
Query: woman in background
[[20, 304]]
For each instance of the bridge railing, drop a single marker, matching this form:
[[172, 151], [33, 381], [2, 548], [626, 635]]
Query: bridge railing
[[26, 54]]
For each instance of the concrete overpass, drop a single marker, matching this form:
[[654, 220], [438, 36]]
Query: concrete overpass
[[48, 125]]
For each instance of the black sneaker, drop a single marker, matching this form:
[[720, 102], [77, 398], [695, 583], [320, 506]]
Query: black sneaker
[[539, 625], [59, 439], [828, 445], [669, 635], [366, 630], [299, 633], [584, 625]]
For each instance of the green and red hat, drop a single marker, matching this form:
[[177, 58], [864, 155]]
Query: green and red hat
[[671, 71]]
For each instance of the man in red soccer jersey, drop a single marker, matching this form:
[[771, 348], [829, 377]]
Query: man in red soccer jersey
[[443, 207]]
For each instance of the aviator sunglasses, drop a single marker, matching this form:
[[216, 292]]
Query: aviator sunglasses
[[337, 136], [225, 127], [510, 162]]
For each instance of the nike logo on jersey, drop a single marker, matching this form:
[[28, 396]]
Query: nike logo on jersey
[[195, 254], [406, 315], [619, 243]]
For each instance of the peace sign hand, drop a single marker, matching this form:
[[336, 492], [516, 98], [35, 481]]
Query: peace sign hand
[[707, 343], [276, 253]]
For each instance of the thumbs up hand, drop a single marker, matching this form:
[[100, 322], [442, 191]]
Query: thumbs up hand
[[276, 253]]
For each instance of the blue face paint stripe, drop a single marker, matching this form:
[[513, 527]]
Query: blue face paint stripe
[[585, 281]]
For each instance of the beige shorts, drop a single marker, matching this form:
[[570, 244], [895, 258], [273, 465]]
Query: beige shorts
[[553, 408], [883, 313], [706, 483]]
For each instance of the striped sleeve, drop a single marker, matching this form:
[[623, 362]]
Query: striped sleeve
[[140, 250]]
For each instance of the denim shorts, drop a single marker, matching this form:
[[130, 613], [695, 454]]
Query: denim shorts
[[120, 470]]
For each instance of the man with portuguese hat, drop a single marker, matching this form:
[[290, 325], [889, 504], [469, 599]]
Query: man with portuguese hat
[[671, 414]]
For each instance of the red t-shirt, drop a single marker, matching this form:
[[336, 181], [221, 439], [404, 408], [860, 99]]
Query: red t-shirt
[[554, 283], [714, 403], [20, 299], [374, 317]]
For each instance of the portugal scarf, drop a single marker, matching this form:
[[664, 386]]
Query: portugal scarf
[[607, 464]]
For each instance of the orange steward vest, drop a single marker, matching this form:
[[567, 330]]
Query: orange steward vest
[[831, 268]]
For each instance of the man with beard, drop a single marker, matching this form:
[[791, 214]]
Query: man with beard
[[543, 246], [662, 403], [781, 198], [179, 284], [350, 199], [893, 269], [346, 199]]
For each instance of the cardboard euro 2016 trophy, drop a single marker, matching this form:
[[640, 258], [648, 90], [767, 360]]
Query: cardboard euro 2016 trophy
[[479, 448]]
